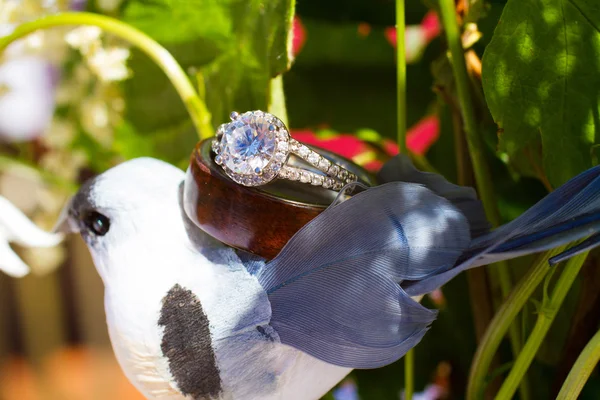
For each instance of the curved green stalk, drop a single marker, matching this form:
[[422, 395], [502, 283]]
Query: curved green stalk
[[501, 322], [198, 111], [581, 371], [545, 318], [476, 151], [463, 88], [401, 76]]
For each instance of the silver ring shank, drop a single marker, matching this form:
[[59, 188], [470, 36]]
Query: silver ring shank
[[336, 176]]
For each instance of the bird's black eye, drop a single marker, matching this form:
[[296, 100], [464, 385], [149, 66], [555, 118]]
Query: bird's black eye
[[97, 223]]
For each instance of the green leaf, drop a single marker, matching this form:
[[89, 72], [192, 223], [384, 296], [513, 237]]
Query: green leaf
[[238, 46], [541, 77], [173, 21]]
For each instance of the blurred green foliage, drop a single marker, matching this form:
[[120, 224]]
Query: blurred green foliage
[[234, 47]]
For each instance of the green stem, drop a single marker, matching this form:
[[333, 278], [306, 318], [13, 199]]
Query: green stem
[[461, 77], [503, 320], [401, 76], [409, 374], [476, 148], [581, 371], [164, 59], [545, 318], [409, 358], [277, 99]]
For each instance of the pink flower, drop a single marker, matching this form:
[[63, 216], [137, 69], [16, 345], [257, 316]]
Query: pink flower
[[419, 137], [417, 37], [431, 25]]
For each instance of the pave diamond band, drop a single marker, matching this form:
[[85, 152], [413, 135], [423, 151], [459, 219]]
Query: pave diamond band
[[254, 148]]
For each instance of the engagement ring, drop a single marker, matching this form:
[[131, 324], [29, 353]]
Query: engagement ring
[[255, 148]]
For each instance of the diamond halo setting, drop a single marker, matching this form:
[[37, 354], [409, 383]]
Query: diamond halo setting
[[253, 149]]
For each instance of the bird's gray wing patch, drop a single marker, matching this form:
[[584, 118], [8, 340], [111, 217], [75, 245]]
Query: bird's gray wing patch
[[187, 344]]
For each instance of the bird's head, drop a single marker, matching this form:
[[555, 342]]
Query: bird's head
[[128, 210]]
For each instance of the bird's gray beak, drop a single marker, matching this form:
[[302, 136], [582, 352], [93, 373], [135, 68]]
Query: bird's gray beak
[[65, 223]]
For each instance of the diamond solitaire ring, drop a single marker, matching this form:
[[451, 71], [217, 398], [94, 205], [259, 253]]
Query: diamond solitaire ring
[[254, 148]]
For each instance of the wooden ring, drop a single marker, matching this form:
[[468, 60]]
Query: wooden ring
[[259, 220]]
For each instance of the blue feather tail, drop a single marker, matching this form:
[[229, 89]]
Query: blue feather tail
[[570, 213], [334, 288]]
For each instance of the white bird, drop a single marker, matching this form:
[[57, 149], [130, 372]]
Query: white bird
[[192, 319], [186, 319]]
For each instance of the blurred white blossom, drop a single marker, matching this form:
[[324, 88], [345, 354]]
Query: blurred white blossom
[[109, 64], [26, 97], [84, 38], [32, 85]]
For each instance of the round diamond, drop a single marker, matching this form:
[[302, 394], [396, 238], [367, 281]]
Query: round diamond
[[313, 158], [328, 183], [282, 146], [324, 164], [282, 135], [280, 156], [304, 177], [303, 151], [317, 180], [248, 144]]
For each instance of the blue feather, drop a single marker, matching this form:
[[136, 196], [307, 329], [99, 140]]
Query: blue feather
[[569, 213], [401, 169], [334, 288]]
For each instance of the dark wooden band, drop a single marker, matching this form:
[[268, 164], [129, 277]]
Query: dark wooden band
[[259, 220]]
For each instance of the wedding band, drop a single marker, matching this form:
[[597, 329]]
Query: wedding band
[[259, 220], [255, 149]]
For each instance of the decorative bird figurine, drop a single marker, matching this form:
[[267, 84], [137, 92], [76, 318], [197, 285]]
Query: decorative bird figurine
[[190, 318]]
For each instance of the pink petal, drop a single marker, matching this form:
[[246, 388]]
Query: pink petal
[[423, 134], [429, 29], [431, 25], [345, 145], [391, 35], [298, 36], [419, 137], [373, 165]]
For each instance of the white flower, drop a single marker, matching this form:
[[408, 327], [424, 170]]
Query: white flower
[[84, 37], [109, 64], [15, 227], [26, 97]]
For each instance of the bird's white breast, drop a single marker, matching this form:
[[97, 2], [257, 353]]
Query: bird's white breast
[[250, 366]]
